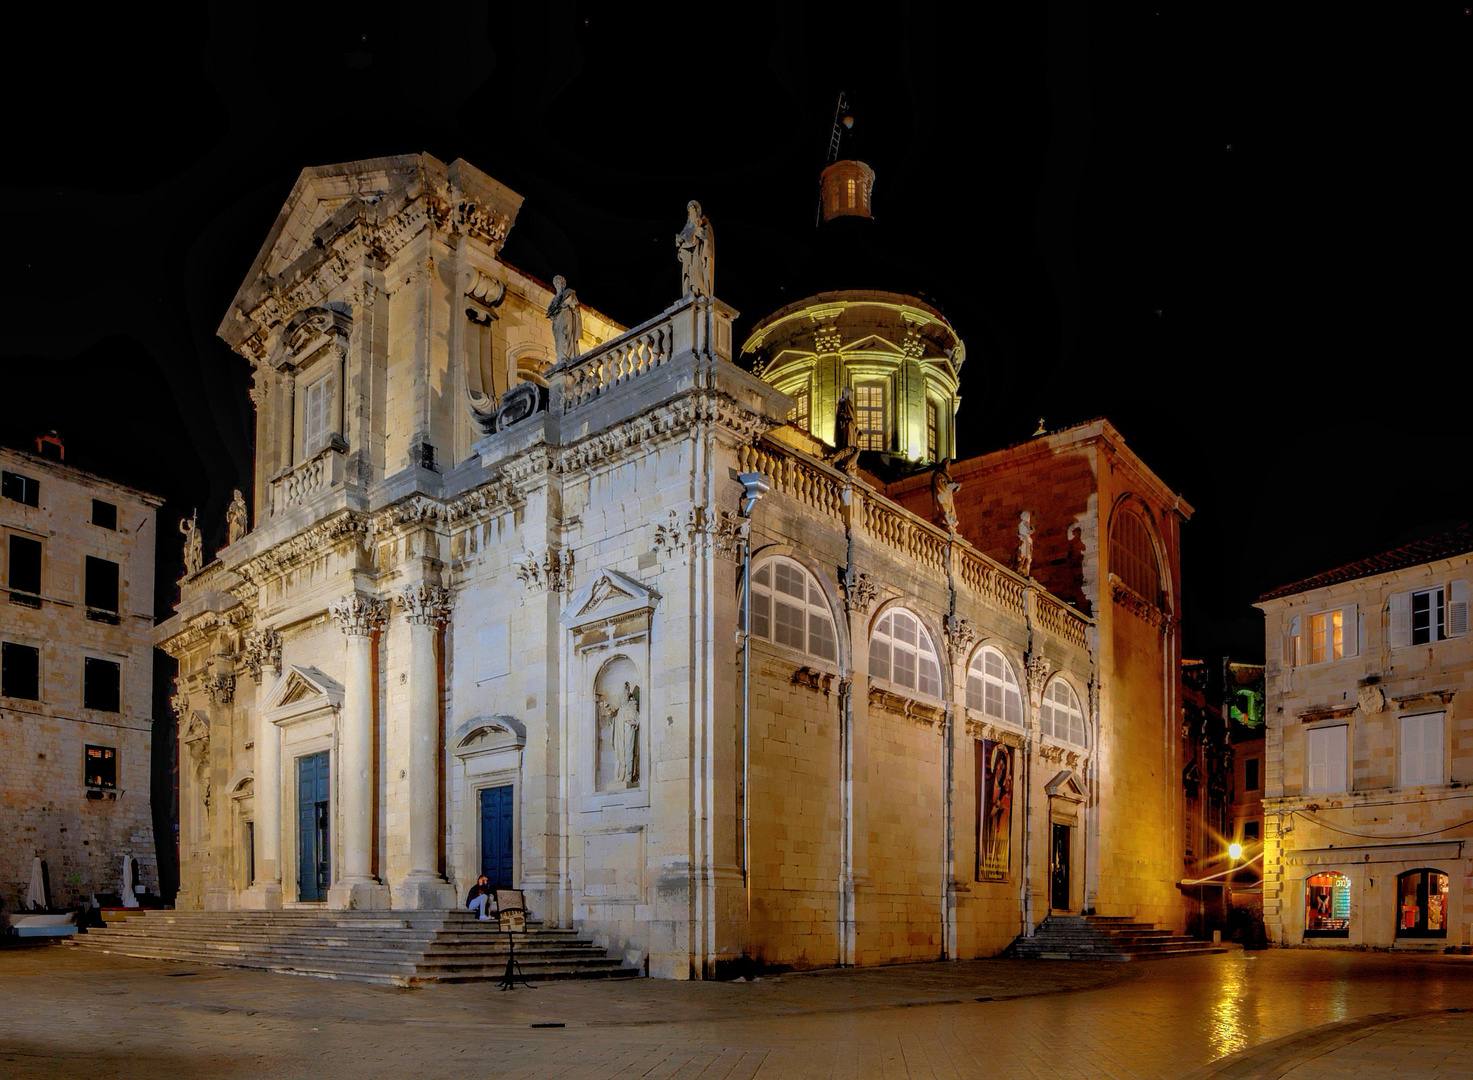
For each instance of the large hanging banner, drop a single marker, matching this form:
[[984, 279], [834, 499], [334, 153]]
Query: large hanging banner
[[994, 810]]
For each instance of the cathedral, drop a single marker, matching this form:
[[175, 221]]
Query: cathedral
[[703, 640]]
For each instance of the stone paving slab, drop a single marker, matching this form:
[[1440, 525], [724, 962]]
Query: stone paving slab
[[69, 1013]]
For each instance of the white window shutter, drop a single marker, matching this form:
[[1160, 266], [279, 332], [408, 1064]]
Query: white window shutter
[[1289, 641], [1432, 749], [1401, 620], [1315, 760], [1457, 609], [1350, 629], [1335, 758], [1411, 751]]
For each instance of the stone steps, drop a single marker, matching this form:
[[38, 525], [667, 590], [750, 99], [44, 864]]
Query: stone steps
[[399, 948], [1078, 937]]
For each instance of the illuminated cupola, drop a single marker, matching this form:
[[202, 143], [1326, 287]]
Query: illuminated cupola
[[846, 190]]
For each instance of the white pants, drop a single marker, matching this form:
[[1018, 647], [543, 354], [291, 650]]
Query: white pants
[[478, 905]]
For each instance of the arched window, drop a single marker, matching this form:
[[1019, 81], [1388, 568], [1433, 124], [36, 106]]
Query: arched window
[[901, 652], [1421, 904], [789, 608], [1327, 905], [1133, 556], [992, 688], [1061, 717]]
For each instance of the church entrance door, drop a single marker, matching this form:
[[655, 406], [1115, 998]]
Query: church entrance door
[[1059, 869], [496, 836], [313, 864]]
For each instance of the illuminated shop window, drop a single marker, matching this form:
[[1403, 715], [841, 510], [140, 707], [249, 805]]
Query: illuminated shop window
[[1061, 716], [901, 652], [992, 688], [1327, 906], [869, 414], [789, 608], [1421, 904]]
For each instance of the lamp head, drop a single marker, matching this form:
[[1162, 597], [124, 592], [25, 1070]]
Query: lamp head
[[754, 486], [1235, 851]]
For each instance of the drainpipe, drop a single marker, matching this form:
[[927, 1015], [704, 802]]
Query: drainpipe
[[754, 486]]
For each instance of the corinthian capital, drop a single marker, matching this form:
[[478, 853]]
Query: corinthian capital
[[425, 604], [357, 614]]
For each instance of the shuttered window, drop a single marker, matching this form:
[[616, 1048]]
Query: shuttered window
[[317, 413], [1324, 768], [1421, 750], [1424, 616], [1328, 635]]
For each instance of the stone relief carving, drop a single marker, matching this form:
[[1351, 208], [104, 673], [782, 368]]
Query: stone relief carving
[[567, 321], [696, 247], [1023, 559], [518, 403], [729, 533], [1037, 670], [179, 702], [236, 518], [1372, 699], [356, 615], [859, 589], [221, 688], [262, 650], [485, 292], [846, 433], [960, 636], [673, 534], [943, 494], [552, 571], [425, 604], [194, 556]]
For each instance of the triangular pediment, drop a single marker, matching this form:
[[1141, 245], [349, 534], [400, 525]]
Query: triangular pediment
[[1065, 785], [873, 344], [197, 728], [608, 594], [302, 687]]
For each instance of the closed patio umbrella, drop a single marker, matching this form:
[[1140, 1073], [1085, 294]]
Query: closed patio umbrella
[[130, 898], [36, 894]]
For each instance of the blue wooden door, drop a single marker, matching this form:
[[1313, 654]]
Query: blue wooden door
[[313, 864], [496, 838]]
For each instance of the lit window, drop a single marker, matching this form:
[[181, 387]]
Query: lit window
[[992, 688], [1060, 716], [933, 430], [1324, 765], [900, 651], [799, 413], [1421, 750], [1326, 636], [869, 414], [789, 608], [1327, 906], [849, 187], [1421, 904], [1133, 556], [317, 413], [101, 766]]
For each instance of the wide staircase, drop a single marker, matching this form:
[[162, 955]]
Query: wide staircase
[[1104, 937], [400, 948]]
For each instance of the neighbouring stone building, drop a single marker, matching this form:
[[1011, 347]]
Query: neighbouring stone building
[[1369, 751], [488, 615], [76, 678]]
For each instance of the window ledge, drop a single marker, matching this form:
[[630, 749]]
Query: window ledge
[[907, 702]]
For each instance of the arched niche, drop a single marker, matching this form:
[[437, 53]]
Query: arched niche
[[618, 725]]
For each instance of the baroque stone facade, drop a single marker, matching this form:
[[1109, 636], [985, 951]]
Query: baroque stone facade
[[76, 679], [508, 646]]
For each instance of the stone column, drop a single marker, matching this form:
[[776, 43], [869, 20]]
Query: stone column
[[265, 892], [426, 607], [356, 887]]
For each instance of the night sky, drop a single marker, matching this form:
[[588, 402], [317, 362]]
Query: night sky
[[1243, 237]]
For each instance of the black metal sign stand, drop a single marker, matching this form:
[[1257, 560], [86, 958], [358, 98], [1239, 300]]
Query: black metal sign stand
[[513, 973]]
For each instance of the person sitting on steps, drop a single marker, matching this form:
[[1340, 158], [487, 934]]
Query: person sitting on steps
[[480, 896]]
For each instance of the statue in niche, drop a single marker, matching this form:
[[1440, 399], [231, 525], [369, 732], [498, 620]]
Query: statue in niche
[[846, 432], [567, 320], [943, 493], [697, 249], [1023, 561], [194, 555], [621, 709], [236, 518]]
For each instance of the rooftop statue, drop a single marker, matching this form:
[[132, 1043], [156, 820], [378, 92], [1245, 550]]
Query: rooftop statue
[[846, 432], [194, 555], [943, 491], [697, 249], [567, 320], [237, 520], [1023, 561]]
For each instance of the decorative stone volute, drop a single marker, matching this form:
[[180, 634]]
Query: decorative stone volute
[[1038, 672], [358, 614], [262, 649], [425, 604]]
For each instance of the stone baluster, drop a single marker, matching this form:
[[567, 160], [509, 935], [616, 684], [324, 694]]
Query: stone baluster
[[426, 608], [358, 616]]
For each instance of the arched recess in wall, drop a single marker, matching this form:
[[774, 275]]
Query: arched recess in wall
[[992, 687], [902, 650], [777, 571], [619, 706], [1138, 554]]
